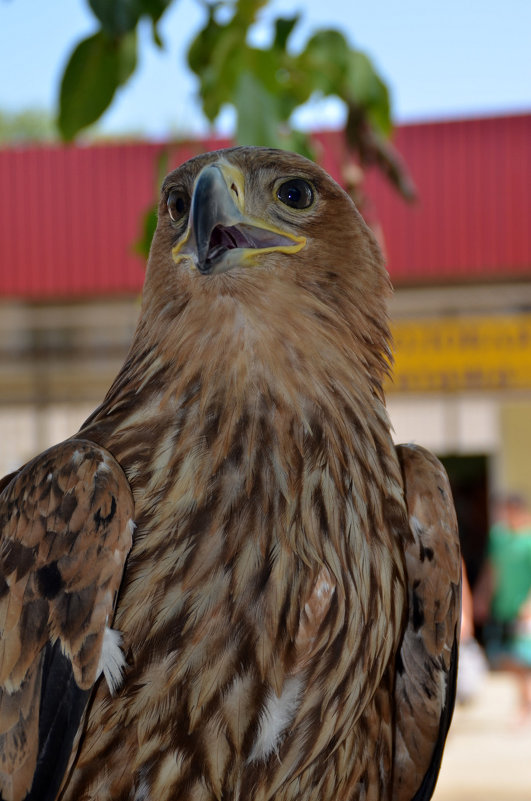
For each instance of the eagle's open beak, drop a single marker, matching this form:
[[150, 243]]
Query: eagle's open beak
[[220, 235]]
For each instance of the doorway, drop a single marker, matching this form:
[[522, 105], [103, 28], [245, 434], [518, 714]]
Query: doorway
[[469, 481]]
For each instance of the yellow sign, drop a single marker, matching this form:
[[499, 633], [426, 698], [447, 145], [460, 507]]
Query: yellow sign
[[449, 354]]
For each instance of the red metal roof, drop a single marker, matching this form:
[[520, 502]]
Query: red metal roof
[[70, 215]]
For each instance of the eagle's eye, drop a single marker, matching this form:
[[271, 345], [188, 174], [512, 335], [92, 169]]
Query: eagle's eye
[[296, 193], [178, 203]]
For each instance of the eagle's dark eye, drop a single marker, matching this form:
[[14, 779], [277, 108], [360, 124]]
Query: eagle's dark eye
[[296, 193], [178, 203]]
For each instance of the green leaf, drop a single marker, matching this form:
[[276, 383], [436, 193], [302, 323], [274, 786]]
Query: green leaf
[[200, 50], [283, 29], [156, 36], [149, 219], [258, 119], [117, 16], [264, 64], [97, 67], [324, 62], [217, 56], [126, 57], [245, 12], [154, 8], [365, 88], [148, 226], [122, 16]]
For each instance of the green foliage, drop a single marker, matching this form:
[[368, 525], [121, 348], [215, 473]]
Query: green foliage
[[118, 17], [33, 125], [103, 62], [97, 67], [333, 68], [149, 218], [148, 224], [265, 85]]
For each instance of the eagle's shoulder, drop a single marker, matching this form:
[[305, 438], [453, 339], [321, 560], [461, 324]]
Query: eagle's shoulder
[[65, 532], [426, 667]]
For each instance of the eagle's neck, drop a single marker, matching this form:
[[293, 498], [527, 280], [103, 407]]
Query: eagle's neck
[[220, 398], [230, 358]]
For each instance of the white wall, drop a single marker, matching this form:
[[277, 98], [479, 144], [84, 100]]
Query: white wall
[[452, 424]]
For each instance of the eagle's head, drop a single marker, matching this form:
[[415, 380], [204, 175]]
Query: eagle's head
[[252, 207], [265, 241]]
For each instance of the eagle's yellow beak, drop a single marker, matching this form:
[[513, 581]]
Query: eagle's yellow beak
[[220, 235]]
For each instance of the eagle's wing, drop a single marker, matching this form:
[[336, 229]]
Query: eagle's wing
[[65, 532], [427, 663]]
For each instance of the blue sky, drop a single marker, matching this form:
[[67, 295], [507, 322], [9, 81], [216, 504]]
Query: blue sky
[[441, 58]]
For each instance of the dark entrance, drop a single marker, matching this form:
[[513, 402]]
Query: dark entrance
[[469, 481]]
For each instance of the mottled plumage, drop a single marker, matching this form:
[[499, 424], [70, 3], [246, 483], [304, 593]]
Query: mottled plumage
[[289, 605]]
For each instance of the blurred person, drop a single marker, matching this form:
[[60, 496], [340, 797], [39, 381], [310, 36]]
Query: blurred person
[[502, 599]]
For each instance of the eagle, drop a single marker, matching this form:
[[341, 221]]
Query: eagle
[[230, 583]]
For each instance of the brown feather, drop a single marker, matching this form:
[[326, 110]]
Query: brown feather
[[65, 529], [423, 690]]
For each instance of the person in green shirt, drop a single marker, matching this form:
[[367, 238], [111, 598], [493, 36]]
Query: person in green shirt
[[508, 630]]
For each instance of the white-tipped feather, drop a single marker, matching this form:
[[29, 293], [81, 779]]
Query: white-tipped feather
[[276, 716], [112, 660]]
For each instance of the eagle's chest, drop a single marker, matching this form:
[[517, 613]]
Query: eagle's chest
[[236, 513], [235, 526]]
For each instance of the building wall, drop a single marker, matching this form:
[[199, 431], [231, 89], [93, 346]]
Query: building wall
[[485, 409], [26, 430], [455, 424], [515, 455], [57, 361]]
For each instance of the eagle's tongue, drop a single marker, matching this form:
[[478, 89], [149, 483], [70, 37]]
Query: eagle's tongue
[[225, 238]]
